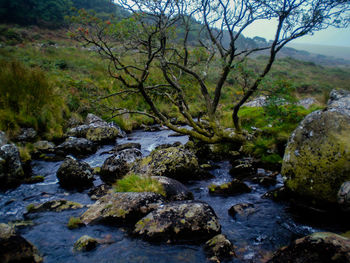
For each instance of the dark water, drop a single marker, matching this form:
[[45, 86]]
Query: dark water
[[254, 236]]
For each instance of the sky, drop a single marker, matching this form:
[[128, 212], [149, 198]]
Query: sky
[[330, 37]]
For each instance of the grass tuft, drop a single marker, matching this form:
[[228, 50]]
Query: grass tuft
[[137, 183]]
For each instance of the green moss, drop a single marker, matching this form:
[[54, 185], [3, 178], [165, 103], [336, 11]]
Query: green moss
[[30, 208], [136, 183], [74, 222]]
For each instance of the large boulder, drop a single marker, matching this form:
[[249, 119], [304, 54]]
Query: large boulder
[[76, 146], [14, 248], [75, 174], [174, 190], [118, 208], [178, 163], [181, 220], [118, 165], [317, 157], [11, 170], [97, 130], [315, 248]]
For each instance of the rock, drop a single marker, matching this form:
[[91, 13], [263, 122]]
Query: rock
[[75, 174], [42, 147], [278, 194], [128, 145], [343, 196], [26, 135], [235, 187], [178, 163], [316, 248], [168, 145], [219, 248], [85, 243], [93, 119], [317, 158], [78, 131], [265, 178], [99, 191], [54, 206], [117, 208], [11, 170], [181, 220], [241, 209], [76, 146], [3, 138], [114, 168], [14, 248], [152, 128], [307, 102], [174, 190], [257, 102], [243, 168]]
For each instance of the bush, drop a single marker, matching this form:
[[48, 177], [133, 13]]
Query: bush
[[136, 183]]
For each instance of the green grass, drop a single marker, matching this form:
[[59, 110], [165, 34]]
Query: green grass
[[74, 222], [137, 183]]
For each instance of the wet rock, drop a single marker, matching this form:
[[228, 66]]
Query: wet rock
[[316, 248], [181, 220], [344, 196], [235, 187], [174, 190], [317, 157], [26, 135], [75, 174], [278, 194], [114, 168], [3, 138], [265, 178], [242, 209], [53, 206], [243, 168], [99, 191], [219, 248], [178, 163], [307, 102], [11, 170], [85, 243], [117, 208], [14, 248], [76, 146], [128, 145], [42, 147]]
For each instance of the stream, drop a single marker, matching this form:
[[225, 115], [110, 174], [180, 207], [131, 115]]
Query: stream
[[254, 236]]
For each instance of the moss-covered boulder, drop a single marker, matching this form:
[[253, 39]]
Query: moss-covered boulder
[[177, 221], [14, 248], [11, 170], [316, 248], [53, 206], [74, 174], [219, 248], [119, 208], [235, 187], [317, 157], [178, 163], [85, 243]]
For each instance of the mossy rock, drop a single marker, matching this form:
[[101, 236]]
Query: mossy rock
[[85, 243], [235, 187], [53, 206], [317, 157]]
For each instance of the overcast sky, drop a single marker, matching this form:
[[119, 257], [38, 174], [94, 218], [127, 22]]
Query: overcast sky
[[331, 36]]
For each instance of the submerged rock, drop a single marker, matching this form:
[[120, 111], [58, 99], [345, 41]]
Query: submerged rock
[[75, 174], [317, 158], [174, 190], [242, 209], [181, 220], [85, 243], [117, 208], [178, 163], [76, 146], [235, 187], [219, 248], [315, 248], [11, 170], [54, 206], [14, 248]]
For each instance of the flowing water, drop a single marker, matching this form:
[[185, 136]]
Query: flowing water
[[254, 236]]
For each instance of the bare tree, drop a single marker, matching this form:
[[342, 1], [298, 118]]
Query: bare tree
[[151, 38]]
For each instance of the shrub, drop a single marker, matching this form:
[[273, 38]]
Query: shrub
[[137, 183]]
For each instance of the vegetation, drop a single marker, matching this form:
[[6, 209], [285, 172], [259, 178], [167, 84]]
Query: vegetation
[[137, 183], [159, 52]]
